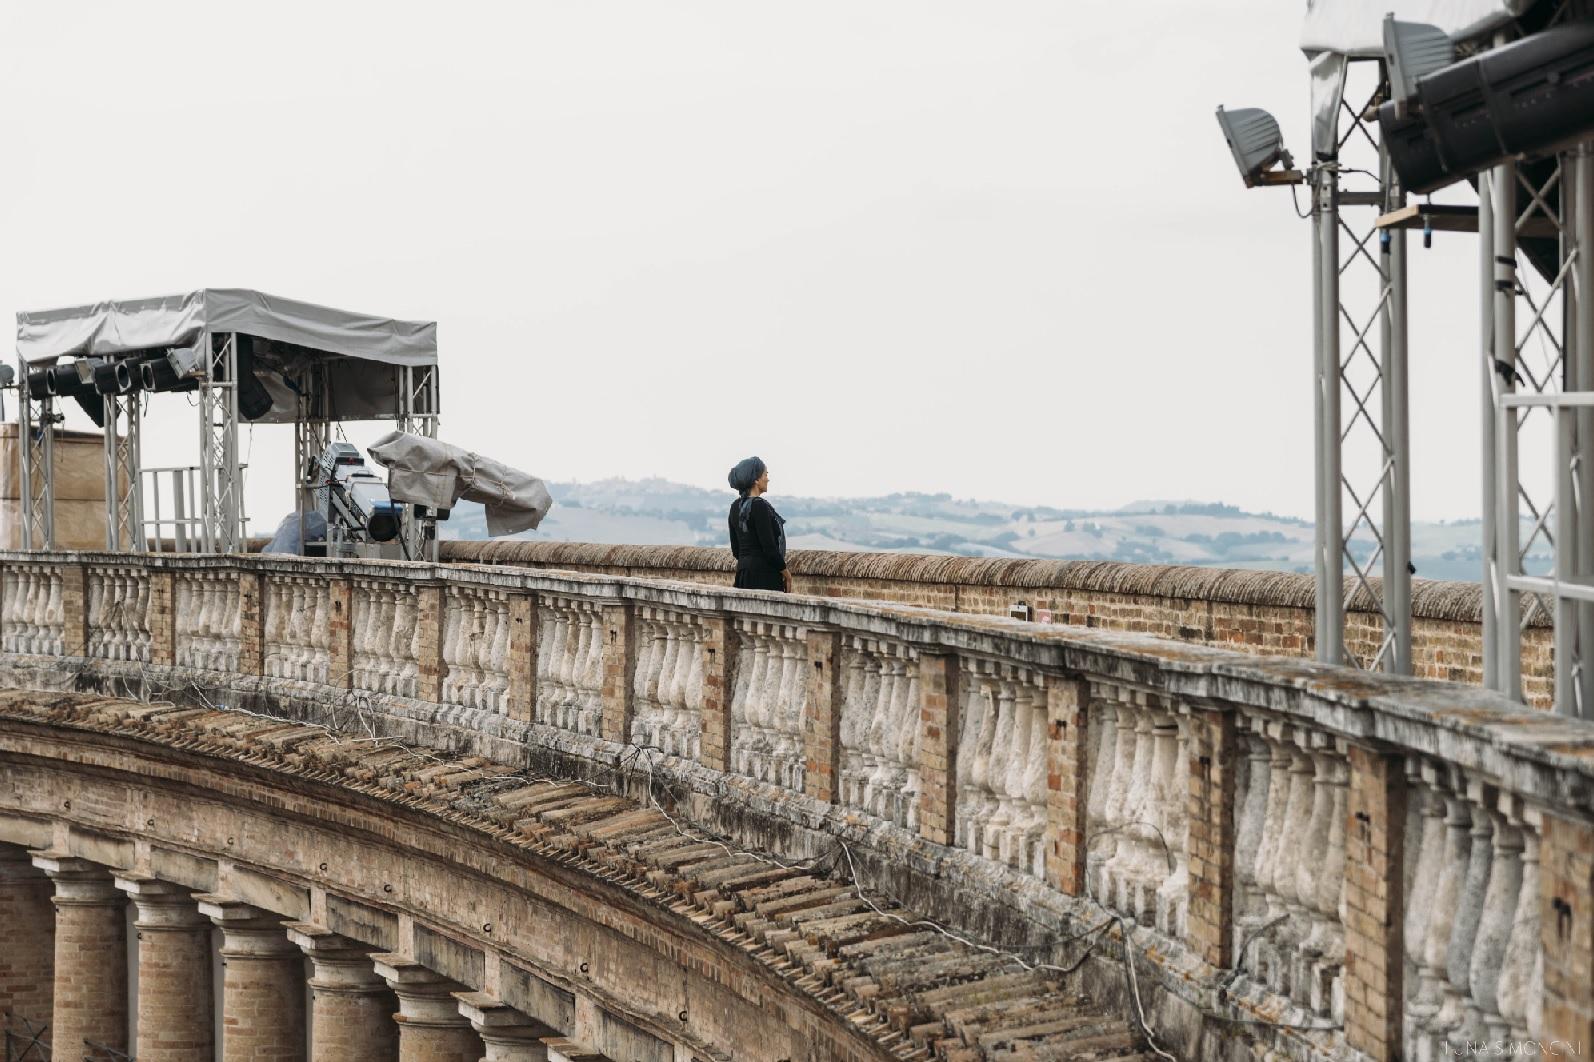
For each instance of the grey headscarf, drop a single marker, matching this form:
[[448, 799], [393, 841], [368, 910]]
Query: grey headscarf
[[746, 473]]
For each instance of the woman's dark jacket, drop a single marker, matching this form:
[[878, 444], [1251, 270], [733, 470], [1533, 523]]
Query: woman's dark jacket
[[758, 542]]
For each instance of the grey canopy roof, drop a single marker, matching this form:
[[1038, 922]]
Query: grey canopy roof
[[361, 355], [106, 329], [1355, 27]]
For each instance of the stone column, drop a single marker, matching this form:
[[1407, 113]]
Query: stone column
[[90, 956], [523, 634], [1375, 910], [353, 1008], [431, 1028], [1566, 916], [719, 676], [251, 623], [174, 995], [262, 1002], [1213, 762], [429, 667], [161, 615], [822, 728], [507, 1035], [619, 663], [1067, 772], [27, 960]]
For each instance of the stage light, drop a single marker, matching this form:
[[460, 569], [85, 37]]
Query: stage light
[[1413, 50], [158, 374], [1530, 98], [254, 401], [39, 385], [1254, 138], [114, 378]]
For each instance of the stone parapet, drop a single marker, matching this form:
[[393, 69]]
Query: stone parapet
[[1222, 804]]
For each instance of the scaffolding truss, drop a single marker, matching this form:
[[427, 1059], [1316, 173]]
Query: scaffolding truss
[[1363, 459]]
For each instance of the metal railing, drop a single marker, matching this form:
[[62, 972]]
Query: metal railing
[[187, 520]]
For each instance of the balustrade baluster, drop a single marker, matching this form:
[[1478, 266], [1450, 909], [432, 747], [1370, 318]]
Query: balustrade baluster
[[1451, 1024], [1519, 991], [1172, 894], [1494, 929], [692, 726], [403, 653]]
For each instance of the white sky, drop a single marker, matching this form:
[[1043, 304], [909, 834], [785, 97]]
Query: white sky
[[997, 249]]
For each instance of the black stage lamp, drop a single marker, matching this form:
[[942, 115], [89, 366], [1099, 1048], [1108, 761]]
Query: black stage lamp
[[114, 378], [39, 384], [1528, 98], [158, 374], [254, 401]]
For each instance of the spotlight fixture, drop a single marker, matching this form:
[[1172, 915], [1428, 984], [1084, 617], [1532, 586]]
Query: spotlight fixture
[[39, 384], [1528, 98], [1413, 50], [254, 401], [1254, 138], [158, 374], [114, 378]]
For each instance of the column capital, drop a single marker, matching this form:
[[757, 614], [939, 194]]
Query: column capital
[[498, 1023], [161, 904], [341, 965], [78, 881], [247, 931], [426, 998]]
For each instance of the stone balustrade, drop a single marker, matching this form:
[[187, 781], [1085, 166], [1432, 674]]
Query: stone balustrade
[[32, 620], [1350, 861]]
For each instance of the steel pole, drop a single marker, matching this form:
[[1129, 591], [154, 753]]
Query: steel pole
[[1505, 559], [1486, 303], [1330, 560], [1579, 195], [1397, 434]]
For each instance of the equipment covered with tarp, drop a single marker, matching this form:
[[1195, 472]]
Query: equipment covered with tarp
[[356, 361], [423, 471], [1355, 27]]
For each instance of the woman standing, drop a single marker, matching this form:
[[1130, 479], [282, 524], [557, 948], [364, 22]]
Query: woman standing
[[758, 534]]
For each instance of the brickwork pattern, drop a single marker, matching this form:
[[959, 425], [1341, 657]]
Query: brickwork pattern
[[350, 1024], [162, 619], [522, 657], [90, 971], [429, 669], [174, 991], [262, 1014], [28, 952], [438, 1043], [340, 632], [719, 678], [75, 608], [1067, 779], [619, 665], [938, 729], [1375, 912], [822, 727], [251, 623], [1566, 921], [1214, 757]]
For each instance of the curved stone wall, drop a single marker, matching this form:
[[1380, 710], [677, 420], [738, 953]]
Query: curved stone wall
[[1220, 845], [1248, 611]]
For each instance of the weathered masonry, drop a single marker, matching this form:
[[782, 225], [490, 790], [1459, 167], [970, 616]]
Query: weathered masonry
[[1268, 613], [547, 803]]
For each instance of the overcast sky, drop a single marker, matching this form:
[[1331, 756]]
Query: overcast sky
[[996, 249]]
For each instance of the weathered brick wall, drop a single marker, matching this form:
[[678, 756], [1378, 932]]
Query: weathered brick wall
[[1249, 611]]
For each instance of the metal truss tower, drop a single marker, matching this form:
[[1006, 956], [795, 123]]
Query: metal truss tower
[[1362, 433]]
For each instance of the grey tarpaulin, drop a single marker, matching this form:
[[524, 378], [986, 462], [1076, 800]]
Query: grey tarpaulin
[[107, 328], [422, 471], [1356, 27], [361, 357]]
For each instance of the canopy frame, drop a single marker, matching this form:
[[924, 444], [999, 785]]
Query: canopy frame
[[401, 383]]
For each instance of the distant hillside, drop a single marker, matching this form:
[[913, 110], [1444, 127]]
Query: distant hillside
[[658, 512]]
